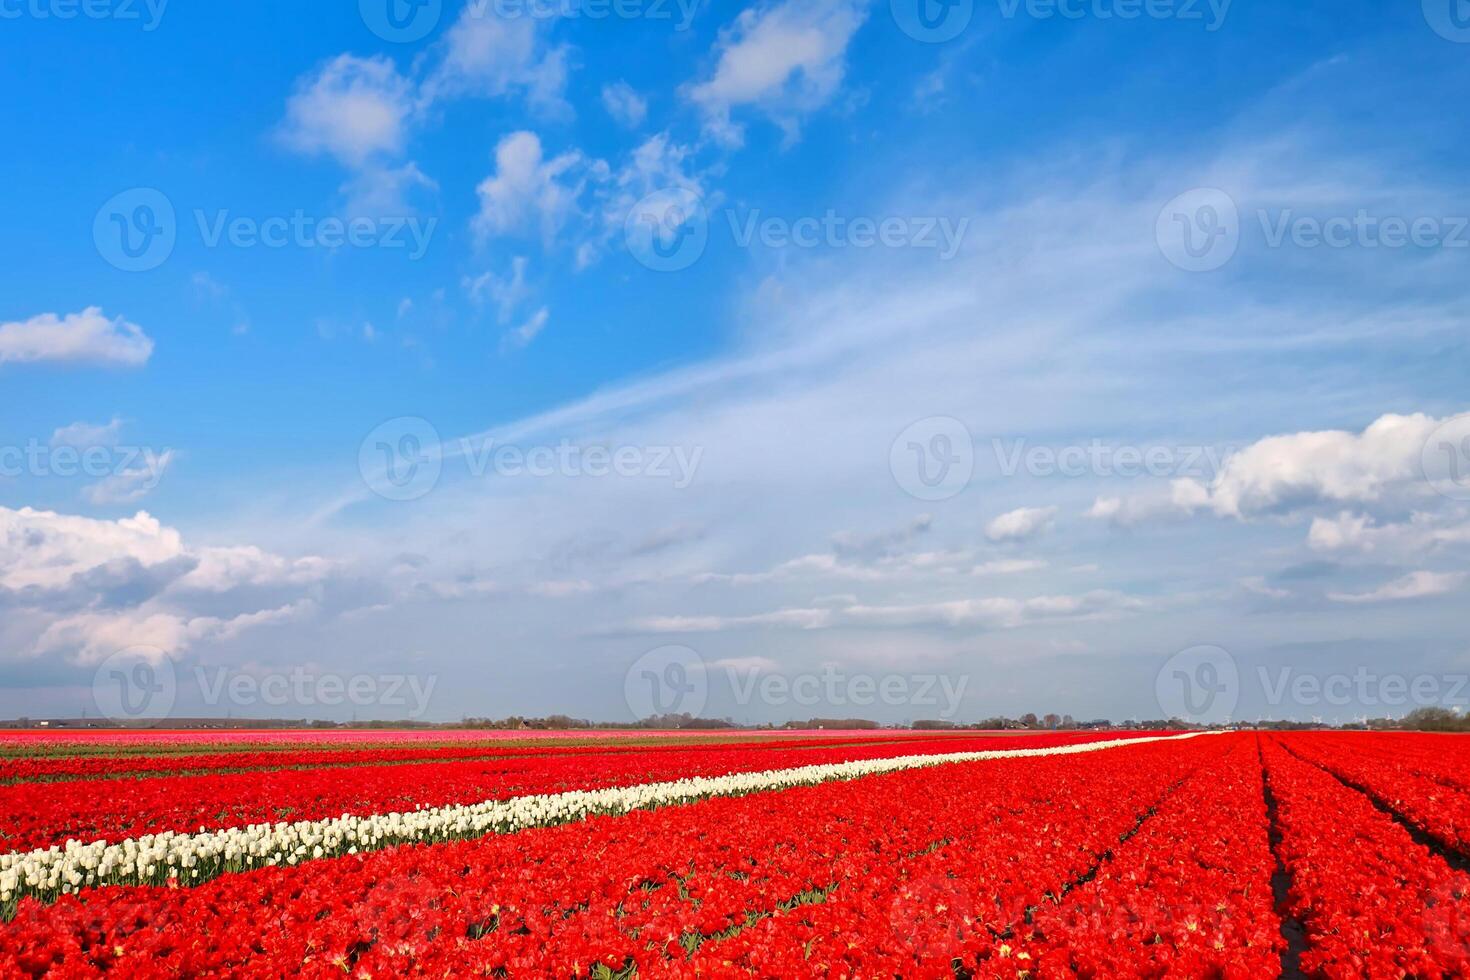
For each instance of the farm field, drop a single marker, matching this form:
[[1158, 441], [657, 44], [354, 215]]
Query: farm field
[[845, 854]]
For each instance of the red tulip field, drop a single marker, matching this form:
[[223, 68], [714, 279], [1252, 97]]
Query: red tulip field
[[842, 854]]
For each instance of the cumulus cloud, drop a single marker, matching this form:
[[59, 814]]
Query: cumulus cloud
[[1415, 585], [1356, 532], [221, 569], [803, 406], [1285, 474], [354, 109], [528, 192], [88, 337], [44, 550], [90, 638], [625, 105], [487, 56], [92, 587], [1180, 498], [1021, 524], [362, 111], [783, 59]]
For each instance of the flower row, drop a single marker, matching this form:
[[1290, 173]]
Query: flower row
[[1188, 895], [1373, 902], [110, 765], [37, 815], [192, 858], [848, 877]]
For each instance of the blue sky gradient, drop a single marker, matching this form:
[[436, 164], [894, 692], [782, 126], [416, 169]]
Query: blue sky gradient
[[1304, 399]]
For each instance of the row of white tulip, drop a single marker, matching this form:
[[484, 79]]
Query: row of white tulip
[[155, 859]]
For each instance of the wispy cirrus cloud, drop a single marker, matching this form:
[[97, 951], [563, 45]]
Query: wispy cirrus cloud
[[1415, 585]]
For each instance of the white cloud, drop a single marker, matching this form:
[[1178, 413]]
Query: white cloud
[[1021, 524], [84, 435], [88, 588], [784, 59], [981, 614], [90, 638], [869, 543], [528, 192], [131, 483], [1415, 585], [994, 613], [487, 56], [355, 109], [625, 105], [1346, 531], [45, 550], [221, 569], [209, 291], [561, 589], [1180, 498], [362, 110], [856, 556], [506, 293], [85, 337], [522, 335], [1013, 566], [658, 164], [806, 619], [1351, 532], [746, 664], [806, 566], [385, 191], [1288, 473], [1305, 468], [1257, 585], [828, 360]]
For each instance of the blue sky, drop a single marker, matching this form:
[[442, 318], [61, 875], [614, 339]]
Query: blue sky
[[880, 254]]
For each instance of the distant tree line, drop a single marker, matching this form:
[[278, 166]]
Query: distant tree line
[[1430, 719], [668, 722]]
